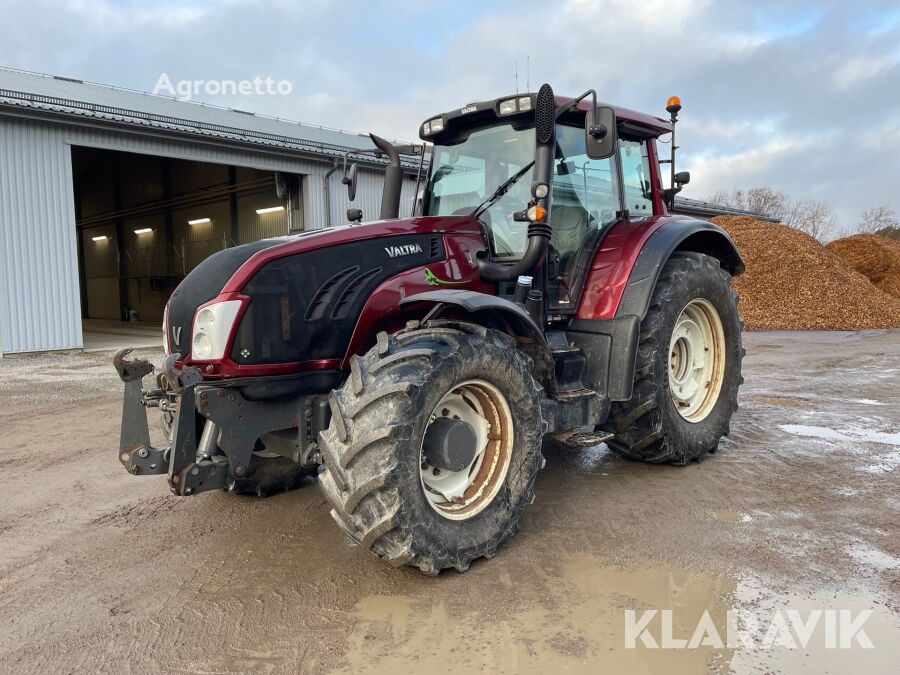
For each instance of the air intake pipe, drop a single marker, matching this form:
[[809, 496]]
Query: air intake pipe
[[393, 179], [538, 231]]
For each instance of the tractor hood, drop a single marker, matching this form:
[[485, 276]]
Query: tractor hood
[[301, 295]]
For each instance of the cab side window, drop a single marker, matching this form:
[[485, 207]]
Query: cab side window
[[585, 196], [585, 202], [636, 178]]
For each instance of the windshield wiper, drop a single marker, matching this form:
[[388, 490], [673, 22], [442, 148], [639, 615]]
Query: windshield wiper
[[501, 190]]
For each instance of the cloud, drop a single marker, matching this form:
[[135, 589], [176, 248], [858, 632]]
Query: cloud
[[802, 96], [855, 71]]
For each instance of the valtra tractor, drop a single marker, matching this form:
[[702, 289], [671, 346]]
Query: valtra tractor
[[415, 365]]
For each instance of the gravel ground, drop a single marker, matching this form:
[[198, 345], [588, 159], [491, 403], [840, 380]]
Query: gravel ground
[[104, 572]]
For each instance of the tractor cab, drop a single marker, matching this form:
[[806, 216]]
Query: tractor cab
[[601, 169]]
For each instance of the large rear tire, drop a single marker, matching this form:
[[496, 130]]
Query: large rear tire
[[688, 366], [383, 492]]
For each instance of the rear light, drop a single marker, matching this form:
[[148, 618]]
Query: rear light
[[213, 324]]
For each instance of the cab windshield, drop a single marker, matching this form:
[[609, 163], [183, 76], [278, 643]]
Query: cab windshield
[[466, 171]]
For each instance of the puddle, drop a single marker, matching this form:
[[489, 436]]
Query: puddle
[[580, 627], [732, 517], [848, 434], [869, 555], [881, 627], [884, 463], [779, 400]]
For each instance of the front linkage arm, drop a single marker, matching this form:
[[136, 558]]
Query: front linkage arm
[[136, 453]]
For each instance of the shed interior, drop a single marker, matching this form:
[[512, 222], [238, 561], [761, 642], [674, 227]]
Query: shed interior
[[145, 221]]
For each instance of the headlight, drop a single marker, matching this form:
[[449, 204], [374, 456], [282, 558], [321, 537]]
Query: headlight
[[202, 346], [508, 106], [433, 126], [525, 103], [212, 328], [165, 328]]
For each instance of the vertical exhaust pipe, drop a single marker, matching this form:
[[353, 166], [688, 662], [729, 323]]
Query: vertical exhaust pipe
[[393, 178]]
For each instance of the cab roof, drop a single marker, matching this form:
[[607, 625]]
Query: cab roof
[[629, 121]]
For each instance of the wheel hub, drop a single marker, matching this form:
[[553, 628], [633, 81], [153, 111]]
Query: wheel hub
[[450, 444], [696, 360], [466, 449]]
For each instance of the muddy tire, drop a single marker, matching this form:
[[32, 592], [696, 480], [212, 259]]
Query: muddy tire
[[374, 464], [271, 475], [692, 298]]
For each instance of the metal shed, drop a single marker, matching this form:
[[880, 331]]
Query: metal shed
[[44, 118]]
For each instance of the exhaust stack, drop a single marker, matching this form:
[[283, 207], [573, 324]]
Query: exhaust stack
[[393, 178]]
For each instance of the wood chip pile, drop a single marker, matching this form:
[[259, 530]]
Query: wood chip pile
[[876, 257], [793, 282]]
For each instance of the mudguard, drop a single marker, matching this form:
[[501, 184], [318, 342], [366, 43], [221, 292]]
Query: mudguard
[[675, 235], [501, 314]]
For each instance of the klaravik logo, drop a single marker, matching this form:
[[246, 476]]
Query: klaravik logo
[[404, 249]]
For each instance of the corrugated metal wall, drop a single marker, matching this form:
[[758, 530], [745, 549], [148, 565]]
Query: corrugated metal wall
[[368, 196], [39, 289], [39, 305]]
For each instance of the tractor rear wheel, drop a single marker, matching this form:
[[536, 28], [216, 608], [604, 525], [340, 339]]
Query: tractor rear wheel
[[688, 366], [434, 445]]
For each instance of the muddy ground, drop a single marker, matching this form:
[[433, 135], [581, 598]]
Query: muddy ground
[[104, 572]]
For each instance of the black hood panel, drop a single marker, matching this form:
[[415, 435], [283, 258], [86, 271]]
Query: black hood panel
[[202, 284], [305, 306]]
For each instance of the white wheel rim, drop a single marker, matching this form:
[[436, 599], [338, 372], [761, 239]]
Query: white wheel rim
[[458, 495], [696, 360]]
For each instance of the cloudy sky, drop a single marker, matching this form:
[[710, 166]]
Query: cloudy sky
[[800, 95]]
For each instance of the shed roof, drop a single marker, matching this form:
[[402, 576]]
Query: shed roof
[[89, 102]]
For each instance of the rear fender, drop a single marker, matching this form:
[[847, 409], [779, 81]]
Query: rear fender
[[607, 326], [500, 314], [677, 235]]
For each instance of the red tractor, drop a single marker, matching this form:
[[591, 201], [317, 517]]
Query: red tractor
[[416, 364]]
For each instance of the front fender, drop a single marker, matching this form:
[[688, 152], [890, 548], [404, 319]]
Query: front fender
[[500, 314]]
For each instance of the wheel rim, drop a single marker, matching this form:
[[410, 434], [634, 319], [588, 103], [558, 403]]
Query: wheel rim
[[458, 495], [696, 360]]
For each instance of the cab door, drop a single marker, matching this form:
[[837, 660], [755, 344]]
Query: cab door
[[586, 203]]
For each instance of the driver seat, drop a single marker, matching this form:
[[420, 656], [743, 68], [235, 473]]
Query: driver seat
[[570, 229]]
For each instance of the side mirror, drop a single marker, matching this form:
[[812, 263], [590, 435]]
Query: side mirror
[[349, 180], [682, 178], [600, 134]]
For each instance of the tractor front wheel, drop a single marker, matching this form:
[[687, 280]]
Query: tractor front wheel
[[688, 366], [434, 445]]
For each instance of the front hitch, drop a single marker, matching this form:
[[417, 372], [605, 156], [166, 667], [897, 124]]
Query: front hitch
[[136, 453], [190, 468]]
